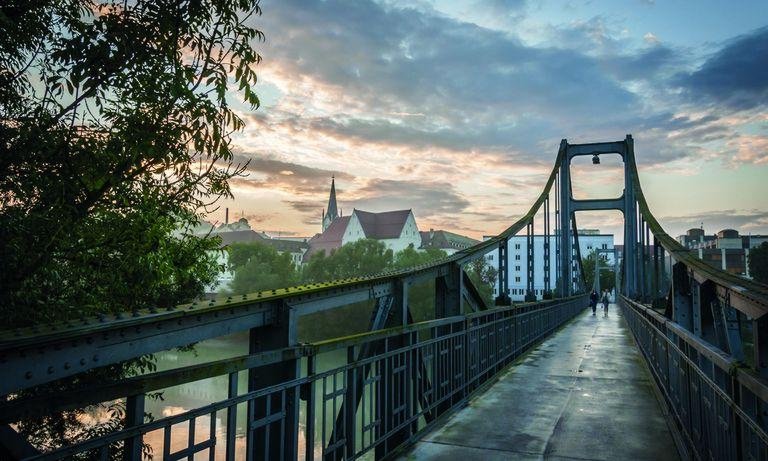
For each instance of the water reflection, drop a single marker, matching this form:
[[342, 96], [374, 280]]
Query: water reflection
[[178, 399]]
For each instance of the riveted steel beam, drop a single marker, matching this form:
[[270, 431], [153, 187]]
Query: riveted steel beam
[[32, 365]]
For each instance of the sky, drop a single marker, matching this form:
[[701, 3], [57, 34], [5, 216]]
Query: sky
[[456, 109]]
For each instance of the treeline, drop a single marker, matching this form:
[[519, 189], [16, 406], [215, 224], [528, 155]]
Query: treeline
[[258, 267]]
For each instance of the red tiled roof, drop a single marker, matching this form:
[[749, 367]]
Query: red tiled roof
[[386, 225], [328, 240]]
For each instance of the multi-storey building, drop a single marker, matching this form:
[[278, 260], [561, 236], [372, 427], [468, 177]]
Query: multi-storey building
[[517, 250], [726, 250]]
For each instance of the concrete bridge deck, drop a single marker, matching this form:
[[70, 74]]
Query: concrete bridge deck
[[584, 393]]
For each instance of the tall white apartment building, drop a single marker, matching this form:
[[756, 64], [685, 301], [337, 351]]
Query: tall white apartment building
[[517, 249]]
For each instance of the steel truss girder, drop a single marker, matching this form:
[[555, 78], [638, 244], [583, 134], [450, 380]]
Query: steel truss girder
[[32, 365]]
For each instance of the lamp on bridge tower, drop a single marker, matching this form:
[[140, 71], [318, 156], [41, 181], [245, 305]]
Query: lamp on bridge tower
[[596, 159]]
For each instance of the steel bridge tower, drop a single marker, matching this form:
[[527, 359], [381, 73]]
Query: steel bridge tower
[[626, 203]]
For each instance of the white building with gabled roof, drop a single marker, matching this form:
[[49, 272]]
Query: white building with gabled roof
[[396, 229]]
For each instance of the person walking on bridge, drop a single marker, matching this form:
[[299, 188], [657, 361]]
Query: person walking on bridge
[[606, 299], [593, 301]]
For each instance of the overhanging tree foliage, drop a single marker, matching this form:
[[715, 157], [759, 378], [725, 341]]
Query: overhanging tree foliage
[[115, 132]]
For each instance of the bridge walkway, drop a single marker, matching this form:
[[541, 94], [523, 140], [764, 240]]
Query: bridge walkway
[[584, 393]]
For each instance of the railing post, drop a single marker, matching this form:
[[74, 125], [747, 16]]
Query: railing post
[[309, 433], [134, 416], [351, 403], [231, 418]]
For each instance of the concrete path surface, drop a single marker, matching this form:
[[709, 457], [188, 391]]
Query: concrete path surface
[[581, 394]]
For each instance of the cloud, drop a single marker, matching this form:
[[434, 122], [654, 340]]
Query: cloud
[[749, 149], [735, 76], [429, 199], [459, 119], [287, 176], [404, 60], [651, 39]]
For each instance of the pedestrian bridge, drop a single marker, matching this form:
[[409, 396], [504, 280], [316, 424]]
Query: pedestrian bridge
[[582, 393], [679, 367]]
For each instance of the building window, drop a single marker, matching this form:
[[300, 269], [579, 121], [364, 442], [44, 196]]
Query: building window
[[589, 247], [490, 257], [517, 257], [605, 246], [517, 246], [517, 279], [517, 268]]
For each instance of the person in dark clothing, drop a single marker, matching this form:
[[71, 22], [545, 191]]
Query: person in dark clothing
[[606, 299], [593, 301]]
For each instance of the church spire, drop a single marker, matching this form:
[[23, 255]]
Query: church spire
[[332, 210]]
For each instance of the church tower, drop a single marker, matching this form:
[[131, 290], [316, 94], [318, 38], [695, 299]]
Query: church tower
[[332, 212]]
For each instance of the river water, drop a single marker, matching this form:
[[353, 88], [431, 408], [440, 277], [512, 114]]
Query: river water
[[179, 399]]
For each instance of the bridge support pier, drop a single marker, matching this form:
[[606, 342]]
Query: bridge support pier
[[682, 308], [279, 410]]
